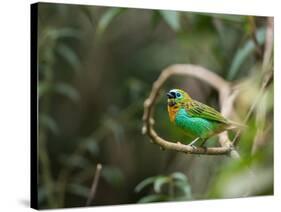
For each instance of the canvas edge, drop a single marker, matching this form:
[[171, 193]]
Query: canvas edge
[[33, 108]]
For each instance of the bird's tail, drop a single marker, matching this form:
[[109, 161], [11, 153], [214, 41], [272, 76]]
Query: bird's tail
[[235, 125]]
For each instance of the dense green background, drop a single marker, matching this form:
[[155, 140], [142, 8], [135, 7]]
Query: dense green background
[[97, 66]]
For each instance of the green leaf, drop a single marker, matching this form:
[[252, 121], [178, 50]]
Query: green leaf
[[63, 33], [88, 13], [185, 188], [69, 55], [144, 183], [159, 182], [172, 18], [67, 91], [243, 53], [153, 198], [107, 18], [179, 176], [49, 123]]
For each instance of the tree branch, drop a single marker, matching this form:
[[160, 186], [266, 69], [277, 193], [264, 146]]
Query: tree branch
[[226, 99]]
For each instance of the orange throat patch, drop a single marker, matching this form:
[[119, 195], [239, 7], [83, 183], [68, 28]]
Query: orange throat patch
[[172, 110]]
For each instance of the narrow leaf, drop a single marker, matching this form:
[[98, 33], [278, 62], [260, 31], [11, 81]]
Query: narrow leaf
[[88, 13], [159, 182], [184, 187], [107, 18], [63, 33], [153, 198], [144, 183], [179, 176], [69, 55], [49, 123], [67, 91], [172, 18], [244, 52]]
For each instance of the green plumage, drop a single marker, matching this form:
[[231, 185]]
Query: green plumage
[[197, 126]]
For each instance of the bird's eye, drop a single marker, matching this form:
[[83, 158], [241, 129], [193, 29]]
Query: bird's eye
[[178, 95]]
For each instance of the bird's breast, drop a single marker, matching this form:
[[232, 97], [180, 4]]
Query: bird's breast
[[196, 126]]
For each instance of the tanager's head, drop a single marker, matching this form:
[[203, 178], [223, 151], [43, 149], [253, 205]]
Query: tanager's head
[[177, 96]]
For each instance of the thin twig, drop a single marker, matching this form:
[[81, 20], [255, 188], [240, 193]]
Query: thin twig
[[94, 185], [226, 99]]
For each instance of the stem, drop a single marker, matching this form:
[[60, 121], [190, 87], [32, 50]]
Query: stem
[[94, 185]]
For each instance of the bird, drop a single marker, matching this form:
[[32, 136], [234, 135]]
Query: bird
[[195, 119]]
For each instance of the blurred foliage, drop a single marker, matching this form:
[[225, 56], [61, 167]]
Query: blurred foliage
[[174, 187], [96, 66]]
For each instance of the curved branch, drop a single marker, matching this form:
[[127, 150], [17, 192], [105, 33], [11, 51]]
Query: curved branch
[[226, 99]]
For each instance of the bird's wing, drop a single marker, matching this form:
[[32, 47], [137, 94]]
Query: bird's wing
[[198, 109]]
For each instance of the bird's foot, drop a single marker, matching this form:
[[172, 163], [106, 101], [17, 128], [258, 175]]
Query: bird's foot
[[194, 141]]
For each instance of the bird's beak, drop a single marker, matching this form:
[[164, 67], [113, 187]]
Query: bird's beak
[[170, 96]]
